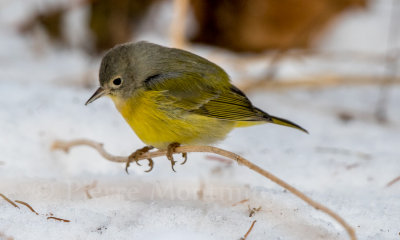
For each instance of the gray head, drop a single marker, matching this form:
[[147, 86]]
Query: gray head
[[128, 67]]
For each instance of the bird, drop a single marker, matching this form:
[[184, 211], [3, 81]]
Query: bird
[[172, 97]]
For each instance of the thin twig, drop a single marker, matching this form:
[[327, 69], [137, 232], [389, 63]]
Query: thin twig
[[248, 232], [393, 181], [66, 145], [27, 205], [8, 200], [59, 219], [30, 208], [240, 202]]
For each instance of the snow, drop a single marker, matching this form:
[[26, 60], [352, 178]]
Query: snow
[[344, 165]]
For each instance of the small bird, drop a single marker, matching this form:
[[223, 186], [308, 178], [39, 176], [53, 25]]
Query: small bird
[[170, 97]]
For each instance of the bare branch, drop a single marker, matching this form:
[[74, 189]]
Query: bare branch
[[66, 145]]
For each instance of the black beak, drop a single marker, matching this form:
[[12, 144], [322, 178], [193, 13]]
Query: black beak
[[98, 94]]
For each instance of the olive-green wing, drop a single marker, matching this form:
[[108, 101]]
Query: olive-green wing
[[211, 96], [232, 105]]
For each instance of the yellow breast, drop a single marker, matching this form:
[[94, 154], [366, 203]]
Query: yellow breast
[[160, 123]]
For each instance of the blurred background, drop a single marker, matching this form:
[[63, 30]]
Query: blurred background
[[329, 65], [262, 44]]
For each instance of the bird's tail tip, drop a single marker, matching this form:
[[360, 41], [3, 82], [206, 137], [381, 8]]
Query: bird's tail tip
[[287, 123]]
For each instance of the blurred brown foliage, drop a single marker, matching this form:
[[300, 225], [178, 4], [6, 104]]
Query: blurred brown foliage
[[113, 21], [110, 21], [257, 25], [239, 25], [51, 21]]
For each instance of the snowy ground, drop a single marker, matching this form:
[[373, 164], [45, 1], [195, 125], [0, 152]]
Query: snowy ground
[[344, 165]]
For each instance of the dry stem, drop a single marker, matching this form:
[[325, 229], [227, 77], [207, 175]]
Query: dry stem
[[59, 219], [248, 232], [66, 145], [240, 202], [27, 205], [393, 181], [30, 208], [8, 200]]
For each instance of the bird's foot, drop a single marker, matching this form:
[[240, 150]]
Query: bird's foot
[[170, 151], [134, 157]]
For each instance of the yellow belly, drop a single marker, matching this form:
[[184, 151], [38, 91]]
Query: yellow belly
[[159, 126]]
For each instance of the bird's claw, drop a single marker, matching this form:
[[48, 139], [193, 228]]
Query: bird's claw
[[170, 152], [134, 157], [151, 165], [184, 155]]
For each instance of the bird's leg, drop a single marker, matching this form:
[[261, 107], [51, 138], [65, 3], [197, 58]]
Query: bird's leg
[[134, 157]]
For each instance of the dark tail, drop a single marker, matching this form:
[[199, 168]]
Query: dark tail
[[287, 123], [280, 121]]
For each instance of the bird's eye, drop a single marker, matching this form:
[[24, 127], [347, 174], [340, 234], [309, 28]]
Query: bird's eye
[[117, 81]]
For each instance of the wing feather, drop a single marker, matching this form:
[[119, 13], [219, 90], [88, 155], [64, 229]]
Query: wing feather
[[231, 105], [192, 93]]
